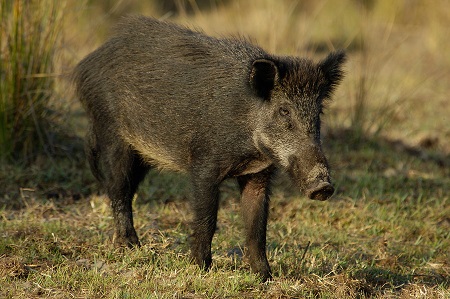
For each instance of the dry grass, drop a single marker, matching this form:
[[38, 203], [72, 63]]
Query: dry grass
[[29, 38], [385, 234]]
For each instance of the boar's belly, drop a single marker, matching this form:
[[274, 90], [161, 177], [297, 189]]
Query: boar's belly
[[157, 155]]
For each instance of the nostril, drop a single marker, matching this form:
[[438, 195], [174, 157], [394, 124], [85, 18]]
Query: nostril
[[321, 191]]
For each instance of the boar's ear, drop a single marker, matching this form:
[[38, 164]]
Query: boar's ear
[[331, 69], [263, 77]]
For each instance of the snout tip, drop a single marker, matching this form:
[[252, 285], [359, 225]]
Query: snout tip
[[321, 191]]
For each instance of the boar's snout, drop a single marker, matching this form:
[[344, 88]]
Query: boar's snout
[[315, 182], [321, 191]]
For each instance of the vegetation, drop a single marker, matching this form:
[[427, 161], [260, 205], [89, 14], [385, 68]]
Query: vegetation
[[385, 234], [29, 38]]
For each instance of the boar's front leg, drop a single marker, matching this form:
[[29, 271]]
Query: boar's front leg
[[255, 206], [205, 203]]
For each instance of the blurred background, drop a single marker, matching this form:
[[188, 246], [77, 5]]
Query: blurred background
[[397, 76], [398, 73]]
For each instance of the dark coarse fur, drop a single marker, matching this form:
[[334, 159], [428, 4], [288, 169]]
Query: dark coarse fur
[[160, 95]]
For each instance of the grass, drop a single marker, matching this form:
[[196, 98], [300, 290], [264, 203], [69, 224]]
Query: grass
[[28, 41], [385, 233]]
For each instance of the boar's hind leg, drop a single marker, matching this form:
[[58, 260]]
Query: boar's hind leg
[[205, 203], [255, 205], [124, 170]]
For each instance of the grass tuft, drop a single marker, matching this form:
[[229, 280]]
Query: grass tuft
[[29, 37]]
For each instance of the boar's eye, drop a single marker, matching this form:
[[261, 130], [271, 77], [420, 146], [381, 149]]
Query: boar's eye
[[284, 112]]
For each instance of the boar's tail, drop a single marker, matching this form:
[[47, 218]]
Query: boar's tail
[[93, 155], [85, 88]]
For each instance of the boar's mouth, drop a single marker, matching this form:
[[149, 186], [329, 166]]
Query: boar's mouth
[[322, 191]]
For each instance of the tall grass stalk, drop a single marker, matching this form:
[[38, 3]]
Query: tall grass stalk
[[29, 37], [371, 113]]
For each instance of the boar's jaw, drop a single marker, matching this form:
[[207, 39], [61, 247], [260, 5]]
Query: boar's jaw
[[308, 167]]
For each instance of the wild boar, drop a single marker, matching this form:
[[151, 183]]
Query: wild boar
[[161, 95]]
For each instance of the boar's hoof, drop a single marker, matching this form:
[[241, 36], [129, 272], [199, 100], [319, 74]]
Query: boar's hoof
[[265, 276], [131, 241], [322, 191]]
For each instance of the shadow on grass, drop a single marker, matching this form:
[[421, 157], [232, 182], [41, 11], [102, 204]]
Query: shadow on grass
[[347, 140], [59, 174], [378, 278], [67, 174]]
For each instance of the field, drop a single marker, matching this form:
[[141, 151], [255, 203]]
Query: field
[[384, 234]]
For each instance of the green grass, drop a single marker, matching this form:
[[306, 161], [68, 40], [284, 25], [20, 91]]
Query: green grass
[[384, 234]]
